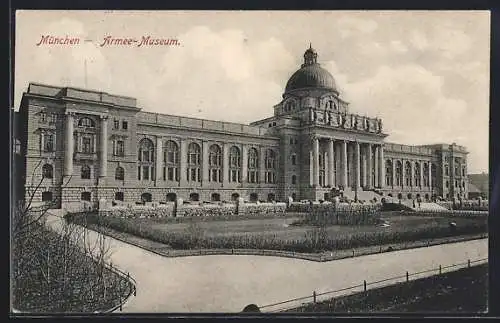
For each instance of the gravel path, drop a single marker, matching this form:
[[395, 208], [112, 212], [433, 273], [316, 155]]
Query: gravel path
[[222, 283]]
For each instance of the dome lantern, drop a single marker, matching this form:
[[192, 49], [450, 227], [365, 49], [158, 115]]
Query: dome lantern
[[310, 56]]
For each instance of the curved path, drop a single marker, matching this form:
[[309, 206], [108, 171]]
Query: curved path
[[223, 283]]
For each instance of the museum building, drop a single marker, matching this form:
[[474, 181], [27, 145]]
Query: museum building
[[82, 145]]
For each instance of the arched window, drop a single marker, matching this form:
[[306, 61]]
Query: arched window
[[399, 173], [171, 161], [171, 197], [294, 179], [235, 196], [85, 172], [234, 164], [194, 197], [194, 163], [388, 173], [47, 171], [253, 166], [271, 197], [86, 122], [119, 196], [215, 164], [119, 173], [426, 175], [408, 173], [145, 167], [215, 197], [270, 163], [417, 174]]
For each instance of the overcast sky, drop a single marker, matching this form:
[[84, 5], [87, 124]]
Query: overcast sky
[[426, 74]]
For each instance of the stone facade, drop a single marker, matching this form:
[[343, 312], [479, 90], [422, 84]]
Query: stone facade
[[88, 145]]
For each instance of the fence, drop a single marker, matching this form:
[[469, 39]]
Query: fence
[[364, 286]]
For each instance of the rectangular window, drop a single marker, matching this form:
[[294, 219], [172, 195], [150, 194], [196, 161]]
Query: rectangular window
[[139, 173], [120, 148], [124, 125], [145, 172], [53, 118], [43, 116], [171, 174], [49, 142], [86, 145], [116, 124], [164, 173], [294, 159], [193, 175]]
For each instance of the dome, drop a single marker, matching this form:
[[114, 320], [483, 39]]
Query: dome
[[311, 75]]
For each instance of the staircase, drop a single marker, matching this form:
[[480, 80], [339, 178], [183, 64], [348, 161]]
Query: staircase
[[363, 195]]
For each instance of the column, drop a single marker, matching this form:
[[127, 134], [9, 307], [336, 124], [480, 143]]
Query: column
[[68, 156], [183, 162], [412, 173], [357, 164], [159, 158], [344, 163], [204, 161], [316, 161], [262, 166], [430, 175], [311, 167], [331, 163], [393, 172], [363, 166], [403, 173], [244, 163], [376, 167], [381, 165], [369, 167], [225, 164], [104, 146], [421, 174]]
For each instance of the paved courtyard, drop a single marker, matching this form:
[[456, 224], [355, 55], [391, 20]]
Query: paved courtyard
[[229, 283]]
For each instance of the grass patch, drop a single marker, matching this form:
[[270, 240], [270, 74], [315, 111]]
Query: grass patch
[[464, 290], [282, 234]]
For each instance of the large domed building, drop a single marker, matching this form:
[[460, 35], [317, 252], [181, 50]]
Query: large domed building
[[82, 146]]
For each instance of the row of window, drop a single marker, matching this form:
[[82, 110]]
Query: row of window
[[457, 171], [48, 117], [147, 197], [171, 161], [116, 124], [456, 184], [170, 173], [409, 178]]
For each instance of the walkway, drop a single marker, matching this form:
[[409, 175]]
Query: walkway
[[229, 283]]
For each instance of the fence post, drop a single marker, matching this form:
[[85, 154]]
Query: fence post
[[353, 252], [440, 269], [468, 263], [407, 277], [364, 285], [314, 297]]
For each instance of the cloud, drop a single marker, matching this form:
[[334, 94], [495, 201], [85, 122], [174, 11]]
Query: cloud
[[226, 76], [411, 102], [348, 26]]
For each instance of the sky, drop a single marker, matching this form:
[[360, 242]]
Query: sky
[[425, 73]]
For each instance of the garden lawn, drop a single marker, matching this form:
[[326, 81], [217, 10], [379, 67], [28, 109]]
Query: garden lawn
[[286, 233], [464, 290], [283, 228]]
